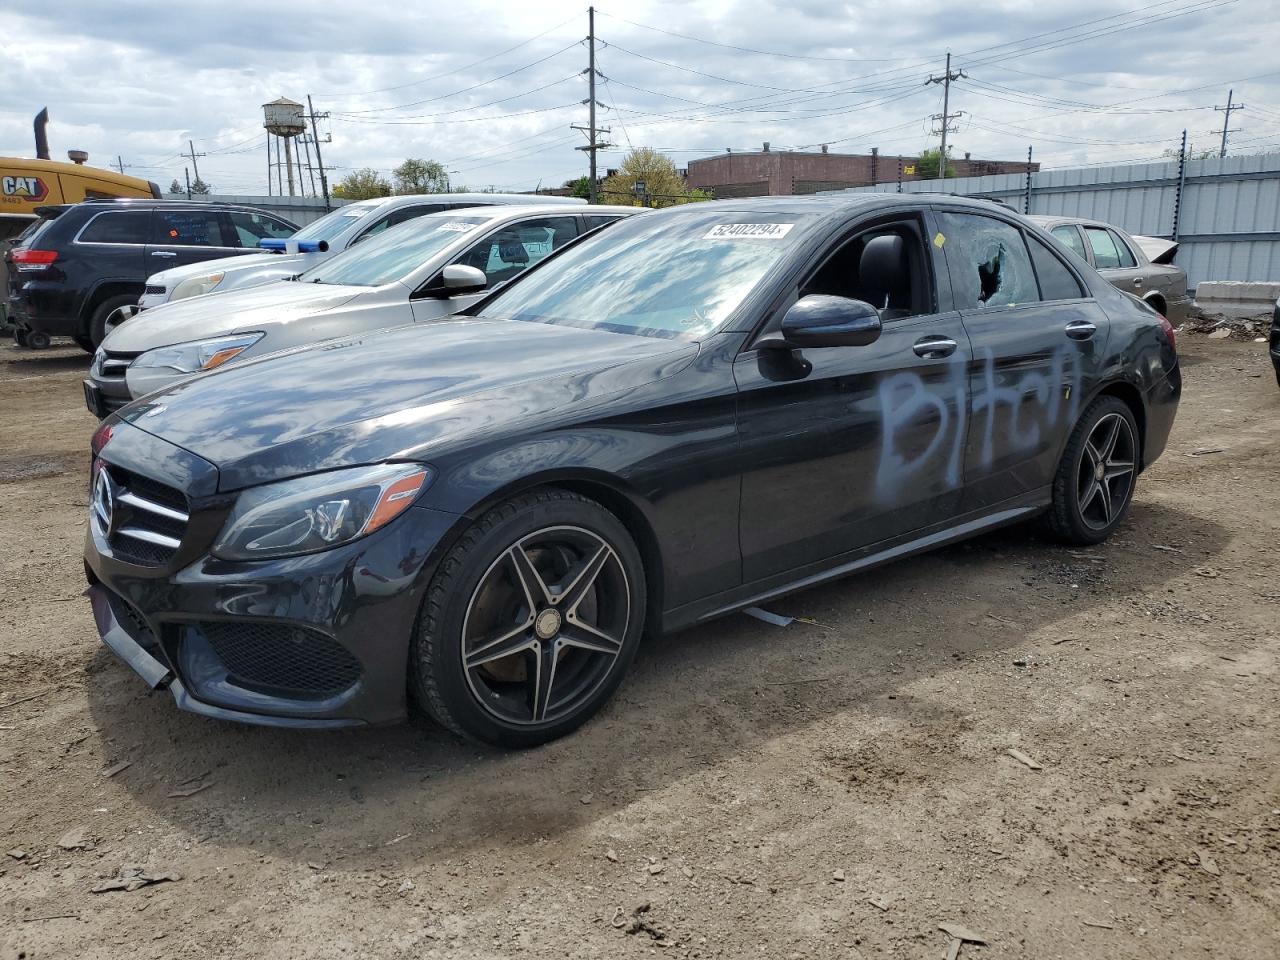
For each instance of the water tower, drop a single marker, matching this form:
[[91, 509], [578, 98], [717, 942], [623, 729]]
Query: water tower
[[284, 120]]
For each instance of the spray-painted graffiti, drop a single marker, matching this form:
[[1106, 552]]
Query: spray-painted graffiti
[[1014, 408]]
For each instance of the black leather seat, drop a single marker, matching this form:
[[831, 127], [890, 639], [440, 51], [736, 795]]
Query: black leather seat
[[884, 276]]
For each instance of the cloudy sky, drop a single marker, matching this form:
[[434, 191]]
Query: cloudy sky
[[490, 89]]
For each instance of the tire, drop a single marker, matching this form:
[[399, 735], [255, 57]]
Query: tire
[[102, 313], [554, 579], [37, 340], [1090, 501], [84, 343]]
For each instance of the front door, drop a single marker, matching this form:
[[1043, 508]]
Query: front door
[[1037, 342], [844, 447]]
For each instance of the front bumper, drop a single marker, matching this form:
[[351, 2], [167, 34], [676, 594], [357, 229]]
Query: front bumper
[[315, 641]]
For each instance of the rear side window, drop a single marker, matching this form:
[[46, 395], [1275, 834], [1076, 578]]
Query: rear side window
[[187, 228], [988, 262], [1070, 236], [124, 226], [1106, 256], [1126, 255], [252, 227], [1056, 281], [600, 221], [518, 246]]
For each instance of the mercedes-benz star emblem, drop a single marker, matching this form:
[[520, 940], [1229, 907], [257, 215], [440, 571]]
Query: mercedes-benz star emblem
[[104, 502]]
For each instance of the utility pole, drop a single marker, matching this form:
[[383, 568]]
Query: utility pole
[[194, 165], [1226, 120], [1026, 197], [120, 163], [593, 145], [186, 175], [315, 138], [946, 116]]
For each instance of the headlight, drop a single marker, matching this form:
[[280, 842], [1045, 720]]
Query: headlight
[[196, 286], [318, 512], [199, 354]]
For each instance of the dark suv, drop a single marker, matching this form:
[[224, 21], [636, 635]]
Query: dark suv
[[85, 265]]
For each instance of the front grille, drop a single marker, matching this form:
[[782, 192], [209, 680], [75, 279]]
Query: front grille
[[149, 518], [115, 363], [154, 288], [281, 659]]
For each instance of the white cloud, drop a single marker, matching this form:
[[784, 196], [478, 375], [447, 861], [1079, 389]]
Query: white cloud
[[137, 79]]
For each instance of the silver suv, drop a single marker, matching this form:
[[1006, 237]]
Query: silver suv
[[337, 230]]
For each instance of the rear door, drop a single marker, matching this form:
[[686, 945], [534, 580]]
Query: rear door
[[847, 446], [184, 235], [1038, 342], [1114, 260], [110, 246]]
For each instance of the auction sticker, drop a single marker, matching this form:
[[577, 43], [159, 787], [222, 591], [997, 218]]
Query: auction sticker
[[748, 231], [456, 226]]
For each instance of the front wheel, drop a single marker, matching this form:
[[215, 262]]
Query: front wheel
[[1094, 485], [530, 622]]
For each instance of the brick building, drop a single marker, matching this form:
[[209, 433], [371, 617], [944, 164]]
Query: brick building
[[784, 173]]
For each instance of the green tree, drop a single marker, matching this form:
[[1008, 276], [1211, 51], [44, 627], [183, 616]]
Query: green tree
[[421, 176], [176, 187], [362, 184], [199, 187], [580, 188], [664, 186], [930, 162]]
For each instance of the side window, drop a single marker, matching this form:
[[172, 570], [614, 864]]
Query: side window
[[187, 228], [1127, 258], [1056, 281], [517, 246], [600, 221], [126, 226], [988, 261], [884, 267], [249, 228], [1070, 236], [379, 225], [1105, 254], [412, 213]]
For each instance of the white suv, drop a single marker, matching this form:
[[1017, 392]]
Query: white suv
[[315, 243]]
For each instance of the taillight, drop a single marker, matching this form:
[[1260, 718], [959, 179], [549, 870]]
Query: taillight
[[1167, 327], [28, 261]]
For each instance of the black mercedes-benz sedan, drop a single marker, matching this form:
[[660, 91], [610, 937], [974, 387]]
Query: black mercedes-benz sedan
[[694, 411]]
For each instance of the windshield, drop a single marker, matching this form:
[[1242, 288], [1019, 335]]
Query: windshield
[[655, 275], [395, 254], [331, 224]]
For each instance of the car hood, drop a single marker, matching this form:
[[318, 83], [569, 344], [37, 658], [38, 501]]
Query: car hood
[[411, 392], [227, 265], [220, 313]]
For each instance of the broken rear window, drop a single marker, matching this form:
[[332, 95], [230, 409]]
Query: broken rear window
[[988, 262]]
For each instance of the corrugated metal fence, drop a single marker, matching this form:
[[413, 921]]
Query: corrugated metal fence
[[301, 210], [1228, 218]]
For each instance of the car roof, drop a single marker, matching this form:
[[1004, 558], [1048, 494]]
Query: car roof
[[1048, 221], [833, 204], [97, 205], [490, 199], [513, 210]]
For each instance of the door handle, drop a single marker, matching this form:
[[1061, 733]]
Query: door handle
[[934, 348], [1081, 330], [163, 253], [1137, 281]]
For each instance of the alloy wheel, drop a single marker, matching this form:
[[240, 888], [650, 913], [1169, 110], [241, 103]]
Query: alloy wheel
[[118, 316], [545, 624], [1107, 469]]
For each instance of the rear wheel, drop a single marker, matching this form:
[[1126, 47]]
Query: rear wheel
[[530, 622], [36, 339], [108, 315], [1094, 485]]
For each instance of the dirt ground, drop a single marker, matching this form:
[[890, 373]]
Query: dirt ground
[[829, 789]]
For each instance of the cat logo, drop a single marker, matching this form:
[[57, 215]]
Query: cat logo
[[908, 170], [24, 188]]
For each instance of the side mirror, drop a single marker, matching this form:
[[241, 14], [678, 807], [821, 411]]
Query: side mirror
[[460, 278], [819, 320]]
